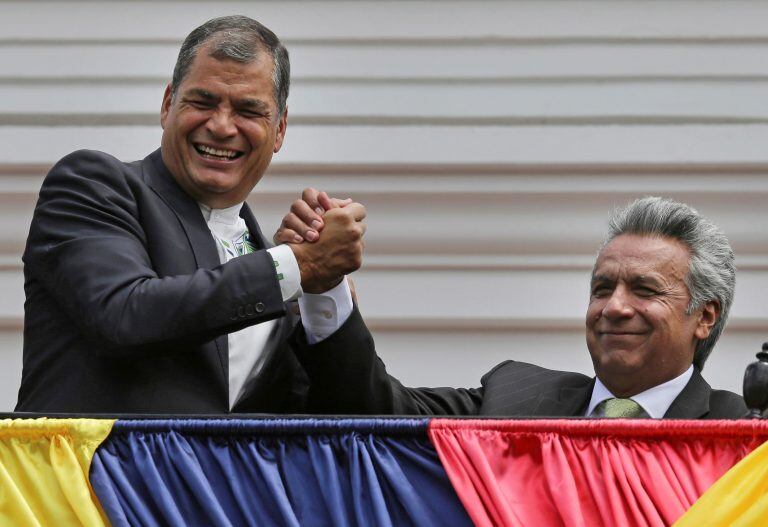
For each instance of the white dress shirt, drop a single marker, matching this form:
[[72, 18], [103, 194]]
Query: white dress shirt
[[655, 401], [321, 314]]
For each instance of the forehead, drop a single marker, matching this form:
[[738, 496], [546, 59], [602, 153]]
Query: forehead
[[633, 255], [211, 73]]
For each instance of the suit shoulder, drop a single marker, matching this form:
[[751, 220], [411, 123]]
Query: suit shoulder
[[726, 405], [515, 371], [92, 164], [89, 157], [89, 173]]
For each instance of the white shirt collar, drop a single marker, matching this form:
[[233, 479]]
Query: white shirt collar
[[228, 216], [655, 401]]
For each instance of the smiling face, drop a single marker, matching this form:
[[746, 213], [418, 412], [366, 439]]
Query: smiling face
[[221, 128], [638, 332]]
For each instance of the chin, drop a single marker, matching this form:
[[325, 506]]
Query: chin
[[215, 184], [619, 362]]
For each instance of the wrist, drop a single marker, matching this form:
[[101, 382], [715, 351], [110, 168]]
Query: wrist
[[318, 287], [313, 280]]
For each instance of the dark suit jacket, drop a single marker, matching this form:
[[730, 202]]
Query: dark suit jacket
[[128, 307], [348, 359]]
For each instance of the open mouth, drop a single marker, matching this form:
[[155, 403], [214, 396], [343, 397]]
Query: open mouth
[[218, 154]]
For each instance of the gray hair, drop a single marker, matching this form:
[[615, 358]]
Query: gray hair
[[241, 39], [711, 273]]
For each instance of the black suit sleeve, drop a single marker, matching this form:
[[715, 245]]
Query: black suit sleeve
[[88, 248], [348, 377]]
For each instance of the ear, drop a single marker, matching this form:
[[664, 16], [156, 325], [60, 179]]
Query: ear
[[165, 107], [710, 314], [281, 126]]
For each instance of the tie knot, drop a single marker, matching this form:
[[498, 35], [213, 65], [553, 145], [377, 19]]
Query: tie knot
[[620, 408]]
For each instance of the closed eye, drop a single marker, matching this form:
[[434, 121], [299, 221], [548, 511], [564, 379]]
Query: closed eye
[[601, 290], [252, 113], [201, 105]]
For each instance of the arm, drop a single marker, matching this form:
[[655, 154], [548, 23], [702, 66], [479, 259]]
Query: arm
[[348, 377], [346, 374], [88, 248]]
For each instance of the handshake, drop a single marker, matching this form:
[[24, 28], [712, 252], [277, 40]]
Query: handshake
[[326, 236]]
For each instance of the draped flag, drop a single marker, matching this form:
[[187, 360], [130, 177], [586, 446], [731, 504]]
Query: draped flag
[[738, 499], [44, 467], [591, 472], [383, 472], [281, 472]]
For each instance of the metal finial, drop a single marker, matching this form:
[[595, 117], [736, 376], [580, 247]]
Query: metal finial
[[756, 384]]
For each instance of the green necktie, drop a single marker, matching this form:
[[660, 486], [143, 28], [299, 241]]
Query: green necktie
[[626, 408]]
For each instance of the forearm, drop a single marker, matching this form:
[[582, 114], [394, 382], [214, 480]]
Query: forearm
[[120, 300], [346, 376]]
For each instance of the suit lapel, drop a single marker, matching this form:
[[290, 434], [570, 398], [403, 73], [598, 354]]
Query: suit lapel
[[186, 209], [693, 401], [569, 402], [253, 228]]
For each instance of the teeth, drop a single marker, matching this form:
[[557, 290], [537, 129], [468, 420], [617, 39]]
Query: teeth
[[229, 154]]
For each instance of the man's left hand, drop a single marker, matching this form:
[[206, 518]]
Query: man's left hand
[[305, 220]]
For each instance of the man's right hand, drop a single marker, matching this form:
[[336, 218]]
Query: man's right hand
[[337, 251], [305, 220]]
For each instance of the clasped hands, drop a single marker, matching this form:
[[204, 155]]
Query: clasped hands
[[326, 236]]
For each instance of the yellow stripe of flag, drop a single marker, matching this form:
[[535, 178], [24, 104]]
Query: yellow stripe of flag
[[737, 499], [44, 467]]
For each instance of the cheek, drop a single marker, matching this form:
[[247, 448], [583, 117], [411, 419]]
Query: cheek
[[260, 134], [594, 310], [187, 122]]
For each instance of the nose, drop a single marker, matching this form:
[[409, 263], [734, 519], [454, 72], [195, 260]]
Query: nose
[[618, 305], [222, 124]]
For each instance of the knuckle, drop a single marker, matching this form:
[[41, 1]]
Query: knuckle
[[337, 215], [289, 219]]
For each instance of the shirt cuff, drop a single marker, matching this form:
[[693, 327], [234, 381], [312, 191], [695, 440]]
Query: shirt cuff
[[322, 314], [288, 273]]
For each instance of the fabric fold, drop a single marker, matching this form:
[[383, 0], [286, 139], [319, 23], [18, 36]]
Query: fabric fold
[[286, 472], [588, 472], [44, 465], [738, 499]]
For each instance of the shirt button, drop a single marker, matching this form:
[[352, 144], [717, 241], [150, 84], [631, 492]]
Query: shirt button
[[328, 315]]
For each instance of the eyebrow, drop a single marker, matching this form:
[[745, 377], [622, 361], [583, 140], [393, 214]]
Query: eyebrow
[[638, 279], [253, 104], [647, 279], [601, 278], [204, 94]]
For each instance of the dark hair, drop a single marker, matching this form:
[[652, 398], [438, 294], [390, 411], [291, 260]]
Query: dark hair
[[711, 272], [241, 39]]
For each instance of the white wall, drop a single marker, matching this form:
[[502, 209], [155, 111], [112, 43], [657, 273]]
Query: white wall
[[487, 139]]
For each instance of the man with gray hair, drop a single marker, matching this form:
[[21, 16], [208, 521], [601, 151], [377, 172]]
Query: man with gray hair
[[660, 292], [150, 288]]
